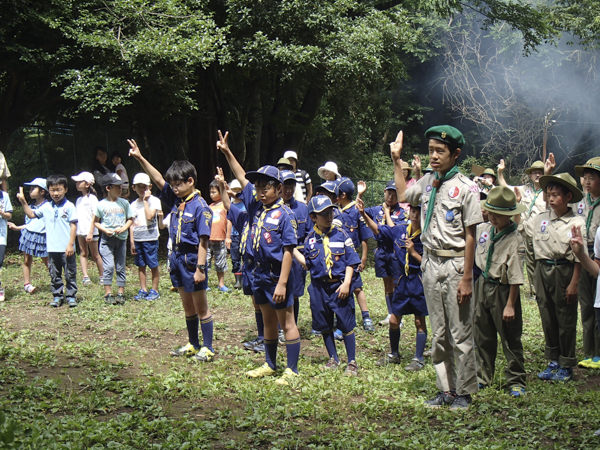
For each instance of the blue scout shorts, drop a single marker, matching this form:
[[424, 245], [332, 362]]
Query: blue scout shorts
[[146, 254], [183, 268], [386, 264], [409, 297], [264, 284], [299, 275], [324, 303], [248, 274]]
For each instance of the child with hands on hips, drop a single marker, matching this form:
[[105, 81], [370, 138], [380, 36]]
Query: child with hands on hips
[[189, 229]]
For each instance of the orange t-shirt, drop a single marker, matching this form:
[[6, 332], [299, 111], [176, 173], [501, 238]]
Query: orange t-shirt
[[218, 228]]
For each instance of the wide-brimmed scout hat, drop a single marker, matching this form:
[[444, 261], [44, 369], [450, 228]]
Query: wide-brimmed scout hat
[[285, 163], [271, 172], [593, 164], [319, 203], [566, 180], [406, 166], [538, 165], [330, 166], [447, 135], [329, 186], [502, 200], [287, 175], [489, 172]]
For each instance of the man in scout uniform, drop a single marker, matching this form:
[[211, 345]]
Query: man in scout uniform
[[556, 274], [532, 198], [589, 209], [496, 295], [450, 212]]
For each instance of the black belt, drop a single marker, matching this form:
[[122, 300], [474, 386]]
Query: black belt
[[274, 267], [557, 262], [184, 247], [329, 280]]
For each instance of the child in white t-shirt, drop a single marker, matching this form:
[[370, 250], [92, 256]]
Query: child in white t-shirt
[[115, 159]]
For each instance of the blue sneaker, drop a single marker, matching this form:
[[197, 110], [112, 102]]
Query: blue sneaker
[[563, 374], [517, 391], [141, 295], [549, 372], [224, 289], [315, 333], [338, 335], [56, 302], [152, 295]]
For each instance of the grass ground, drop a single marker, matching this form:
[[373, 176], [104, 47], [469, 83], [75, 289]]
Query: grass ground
[[100, 377]]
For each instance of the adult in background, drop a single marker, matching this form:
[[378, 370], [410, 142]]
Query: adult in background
[[4, 173], [99, 166], [329, 172], [302, 177], [284, 164]]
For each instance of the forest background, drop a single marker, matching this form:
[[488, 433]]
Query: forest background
[[332, 80]]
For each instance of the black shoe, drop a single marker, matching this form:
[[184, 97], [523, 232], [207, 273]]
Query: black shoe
[[109, 299], [461, 403], [238, 282], [120, 299], [441, 399]]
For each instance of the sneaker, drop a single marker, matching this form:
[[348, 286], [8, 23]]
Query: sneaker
[[287, 378], [120, 299], [204, 355], [3, 297], [597, 433], [549, 372], [563, 374], [415, 365], [281, 337], [56, 303], [262, 371], [461, 403], [29, 288], [109, 299], [72, 302], [585, 363], [338, 335], [224, 289], [441, 399], [595, 364], [427, 353], [315, 333], [208, 289], [187, 350], [368, 325], [141, 295], [351, 369], [249, 345], [173, 289], [86, 281], [260, 348], [152, 295], [332, 364], [401, 324], [385, 321], [389, 358], [517, 391]]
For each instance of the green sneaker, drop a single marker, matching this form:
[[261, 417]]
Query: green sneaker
[[187, 350], [204, 355]]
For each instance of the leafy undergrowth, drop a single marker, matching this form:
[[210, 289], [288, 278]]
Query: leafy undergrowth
[[100, 376]]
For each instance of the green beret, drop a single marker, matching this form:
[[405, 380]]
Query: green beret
[[447, 135]]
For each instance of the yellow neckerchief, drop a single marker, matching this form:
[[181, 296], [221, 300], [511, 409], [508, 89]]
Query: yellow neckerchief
[[349, 205], [326, 249], [261, 220], [245, 233], [180, 209], [411, 237]]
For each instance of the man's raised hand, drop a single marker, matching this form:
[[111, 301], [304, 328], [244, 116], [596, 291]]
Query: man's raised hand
[[396, 146]]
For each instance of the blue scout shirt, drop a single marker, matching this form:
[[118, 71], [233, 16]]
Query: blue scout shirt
[[300, 211], [190, 223], [240, 206], [351, 220], [277, 230], [58, 218], [398, 216], [342, 249], [239, 220], [398, 234]]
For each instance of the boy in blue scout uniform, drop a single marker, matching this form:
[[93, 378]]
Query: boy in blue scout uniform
[[330, 256], [408, 296], [300, 210], [273, 239], [240, 221], [556, 274], [496, 295], [450, 212], [386, 264], [189, 230], [350, 219]]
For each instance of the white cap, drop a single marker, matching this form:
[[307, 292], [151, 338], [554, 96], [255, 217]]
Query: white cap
[[331, 166], [141, 178], [290, 154], [235, 184], [84, 176]]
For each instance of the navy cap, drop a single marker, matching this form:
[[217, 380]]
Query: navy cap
[[264, 172], [287, 175], [329, 186], [346, 186], [111, 179], [390, 186], [319, 203]]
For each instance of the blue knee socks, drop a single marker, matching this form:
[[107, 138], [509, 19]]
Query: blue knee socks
[[207, 332], [329, 341], [293, 353], [260, 324], [191, 322], [421, 341], [350, 343], [271, 353]]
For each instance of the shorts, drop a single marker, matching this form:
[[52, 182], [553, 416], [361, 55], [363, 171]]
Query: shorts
[[248, 274], [409, 296], [324, 303], [33, 244], [299, 274], [146, 254], [386, 264], [95, 237], [356, 281], [183, 268], [263, 287], [217, 250]]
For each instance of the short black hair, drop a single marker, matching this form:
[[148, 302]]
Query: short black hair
[[562, 187], [591, 172], [115, 153], [290, 182], [181, 171], [214, 184], [57, 180]]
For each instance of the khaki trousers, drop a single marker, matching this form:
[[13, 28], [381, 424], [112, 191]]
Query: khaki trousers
[[587, 296]]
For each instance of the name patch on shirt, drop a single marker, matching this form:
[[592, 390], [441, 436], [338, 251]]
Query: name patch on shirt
[[336, 244], [272, 221]]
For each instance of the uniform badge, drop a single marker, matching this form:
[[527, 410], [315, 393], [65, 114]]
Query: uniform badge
[[403, 236], [312, 240], [527, 193], [336, 223], [428, 188], [294, 224], [544, 225], [348, 243], [267, 237], [208, 215], [337, 258], [580, 207], [276, 214], [474, 189], [484, 237], [449, 216], [453, 192]]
